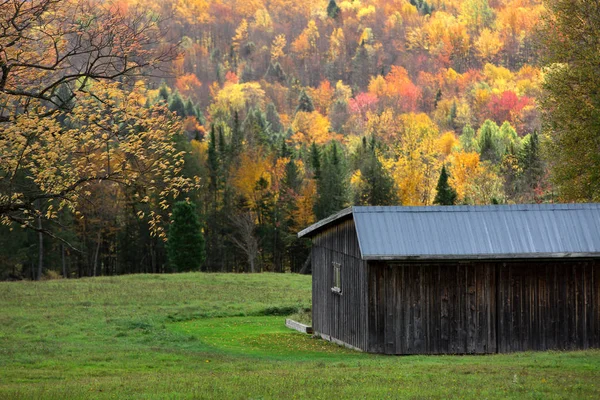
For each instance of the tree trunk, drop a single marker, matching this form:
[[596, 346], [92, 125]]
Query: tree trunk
[[306, 268], [96, 253], [40, 250], [64, 261], [251, 261]]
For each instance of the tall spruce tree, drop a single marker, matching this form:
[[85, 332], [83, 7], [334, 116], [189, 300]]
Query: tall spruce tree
[[446, 195], [305, 103], [332, 187], [333, 10], [377, 186], [185, 247], [176, 105]]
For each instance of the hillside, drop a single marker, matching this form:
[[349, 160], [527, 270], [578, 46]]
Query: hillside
[[219, 336]]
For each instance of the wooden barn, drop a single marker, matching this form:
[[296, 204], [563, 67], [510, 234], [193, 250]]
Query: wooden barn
[[459, 279]]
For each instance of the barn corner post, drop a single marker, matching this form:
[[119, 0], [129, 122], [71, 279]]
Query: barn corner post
[[458, 280]]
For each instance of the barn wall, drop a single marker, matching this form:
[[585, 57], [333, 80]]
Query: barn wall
[[483, 307], [551, 305], [339, 316], [431, 308]]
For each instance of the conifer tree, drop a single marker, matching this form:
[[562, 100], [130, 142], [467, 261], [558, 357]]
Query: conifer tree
[[213, 162], [185, 247], [377, 188], [273, 118], [315, 161], [333, 10], [487, 139], [163, 93], [176, 105], [446, 195], [305, 103], [530, 161], [331, 185]]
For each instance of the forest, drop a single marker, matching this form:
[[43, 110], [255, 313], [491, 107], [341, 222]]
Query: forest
[[130, 129]]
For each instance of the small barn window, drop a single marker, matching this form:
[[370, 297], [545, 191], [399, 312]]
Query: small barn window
[[337, 278]]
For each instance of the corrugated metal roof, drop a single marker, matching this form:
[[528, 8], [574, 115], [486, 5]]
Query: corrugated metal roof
[[474, 232]]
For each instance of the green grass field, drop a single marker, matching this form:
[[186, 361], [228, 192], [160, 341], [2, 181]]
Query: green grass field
[[222, 336]]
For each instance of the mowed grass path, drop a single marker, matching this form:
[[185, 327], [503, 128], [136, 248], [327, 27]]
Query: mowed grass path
[[220, 336]]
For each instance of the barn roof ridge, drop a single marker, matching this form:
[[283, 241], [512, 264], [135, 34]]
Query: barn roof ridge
[[472, 232]]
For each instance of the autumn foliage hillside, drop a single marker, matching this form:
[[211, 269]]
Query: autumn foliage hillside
[[293, 110]]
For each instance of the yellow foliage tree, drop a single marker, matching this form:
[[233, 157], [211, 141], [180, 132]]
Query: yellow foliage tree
[[311, 127], [417, 167]]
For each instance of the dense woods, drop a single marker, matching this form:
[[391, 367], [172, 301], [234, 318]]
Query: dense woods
[[266, 116]]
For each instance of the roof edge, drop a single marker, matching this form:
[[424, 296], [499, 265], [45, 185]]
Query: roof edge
[[317, 226], [455, 257]]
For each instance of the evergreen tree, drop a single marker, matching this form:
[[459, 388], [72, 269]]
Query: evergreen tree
[[285, 150], [291, 178], [213, 162], [237, 137], [530, 161], [377, 186], [273, 118], [256, 128], [176, 105], [487, 139], [446, 195], [333, 11], [361, 67], [163, 93], [305, 103], [275, 73], [315, 161], [185, 247], [332, 185]]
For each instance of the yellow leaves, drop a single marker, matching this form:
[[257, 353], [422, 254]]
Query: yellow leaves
[[107, 143], [366, 12], [236, 96], [241, 35], [474, 182], [322, 96], [277, 47], [417, 168], [446, 143], [307, 41], [488, 44], [245, 179], [499, 78], [378, 86], [303, 214], [311, 127], [463, 166], [262, 20]]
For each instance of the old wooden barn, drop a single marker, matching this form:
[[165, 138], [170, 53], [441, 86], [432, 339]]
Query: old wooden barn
[[460, 279]]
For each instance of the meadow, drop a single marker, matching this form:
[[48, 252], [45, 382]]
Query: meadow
[[195, 335]]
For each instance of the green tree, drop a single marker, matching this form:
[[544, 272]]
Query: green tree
[[332, 187], [446, 195], [488, 141], [333, 10], [530, 160], [467, 139], [305, 103], [185, 247], [571, 100], [377, 186]]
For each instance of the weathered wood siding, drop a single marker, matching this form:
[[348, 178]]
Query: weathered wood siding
[[431, 308], [483, 307], [549, 305], [340, 316]]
